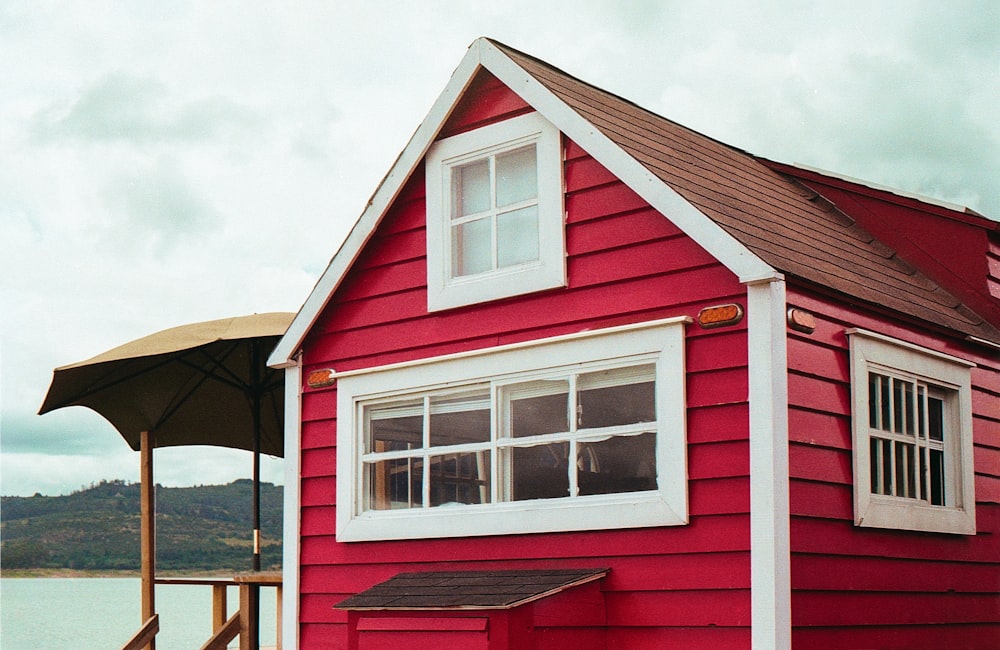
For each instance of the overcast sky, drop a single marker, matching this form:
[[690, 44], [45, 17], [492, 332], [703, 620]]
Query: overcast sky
[[167, 163]]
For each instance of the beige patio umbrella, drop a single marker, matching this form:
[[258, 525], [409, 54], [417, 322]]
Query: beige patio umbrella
[[195, 384], [199, 384]]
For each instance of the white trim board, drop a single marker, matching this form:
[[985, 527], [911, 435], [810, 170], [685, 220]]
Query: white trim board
[[770, 542], [290, 509]]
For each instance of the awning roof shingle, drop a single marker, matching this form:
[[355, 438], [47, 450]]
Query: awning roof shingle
[[437, 590]]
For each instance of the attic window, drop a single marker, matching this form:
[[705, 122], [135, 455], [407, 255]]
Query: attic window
[[494, 213]]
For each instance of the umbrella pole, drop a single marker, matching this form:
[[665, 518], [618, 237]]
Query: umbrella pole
[[147, 536], [254, 594]]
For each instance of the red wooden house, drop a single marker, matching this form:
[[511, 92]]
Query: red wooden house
[[580, 377]]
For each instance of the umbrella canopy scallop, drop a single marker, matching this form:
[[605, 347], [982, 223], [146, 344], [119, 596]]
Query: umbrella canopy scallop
[[199, 384]]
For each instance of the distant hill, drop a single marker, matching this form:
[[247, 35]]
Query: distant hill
[[203, 528]]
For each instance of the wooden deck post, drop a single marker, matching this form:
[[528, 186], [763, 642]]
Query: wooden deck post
[[147, 541], [219, 607], [249, 616]]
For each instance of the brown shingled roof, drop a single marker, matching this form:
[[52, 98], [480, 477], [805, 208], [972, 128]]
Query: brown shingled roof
[[468, 589], [789, 226]]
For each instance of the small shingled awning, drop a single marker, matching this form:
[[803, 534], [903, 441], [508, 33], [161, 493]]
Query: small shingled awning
[[456, 590]]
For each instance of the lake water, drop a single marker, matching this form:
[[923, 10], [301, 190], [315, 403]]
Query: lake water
[[98, 613]]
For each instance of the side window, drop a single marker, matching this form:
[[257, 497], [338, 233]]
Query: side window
[[495, 213], [912, 437], [570, 433]]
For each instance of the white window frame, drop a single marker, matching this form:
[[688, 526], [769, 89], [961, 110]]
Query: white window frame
[[658, 342], [549, 271], [873, 352]]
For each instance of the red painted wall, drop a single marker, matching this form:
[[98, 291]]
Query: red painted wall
[[684, 586], [864, 587]]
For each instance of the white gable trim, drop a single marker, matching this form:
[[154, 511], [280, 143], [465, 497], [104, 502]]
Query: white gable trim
[[482, 53]]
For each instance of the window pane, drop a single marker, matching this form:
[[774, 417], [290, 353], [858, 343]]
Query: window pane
[[923, 473], [908, 407], [620, 464], [897, 406], [539, 472], [884, 404], [460, 420], [539, 407], [471, 247], [905, 469], [886, 473], [517, 237], [396, 427], [517, 176], [935, 420], [875, 450], [460, 478], [911, 470], [470, 186], [616, 397], [921, 411], [937, 477], [873, 400], [395, 484], [899, 466]]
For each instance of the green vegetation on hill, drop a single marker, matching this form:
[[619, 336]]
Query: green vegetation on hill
[[203, 528]]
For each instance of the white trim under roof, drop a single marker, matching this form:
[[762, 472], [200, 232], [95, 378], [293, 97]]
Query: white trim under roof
[[483, 54]]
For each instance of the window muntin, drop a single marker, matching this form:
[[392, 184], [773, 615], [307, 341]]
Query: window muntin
[[604, 420], [907, 437], [913, 464], [495, 213], [467, 444]]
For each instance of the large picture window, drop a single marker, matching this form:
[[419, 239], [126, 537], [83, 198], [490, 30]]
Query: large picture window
[[569, 433], [495, 213], [912, 437]]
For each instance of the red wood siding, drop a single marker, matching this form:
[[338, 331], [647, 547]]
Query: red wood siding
[[687, 585], [860, 587]]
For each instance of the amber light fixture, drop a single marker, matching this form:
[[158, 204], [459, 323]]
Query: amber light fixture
[[321, 378], [720, 316], [801, 321]]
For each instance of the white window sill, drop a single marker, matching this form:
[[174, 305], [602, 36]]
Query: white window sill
[[635, 510]]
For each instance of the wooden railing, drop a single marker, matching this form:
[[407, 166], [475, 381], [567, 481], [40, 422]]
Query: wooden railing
[[244, 623], [145, 635]]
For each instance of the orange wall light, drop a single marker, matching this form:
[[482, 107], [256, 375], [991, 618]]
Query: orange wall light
[[321, 378], [720, 316], [801, 321]]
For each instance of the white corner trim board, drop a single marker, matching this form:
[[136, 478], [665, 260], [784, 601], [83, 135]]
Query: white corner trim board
[[770, 545]]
